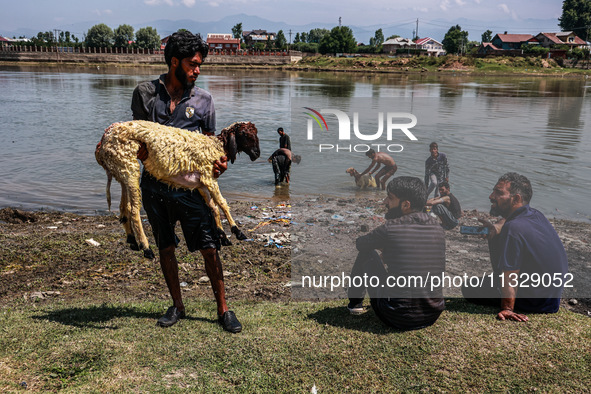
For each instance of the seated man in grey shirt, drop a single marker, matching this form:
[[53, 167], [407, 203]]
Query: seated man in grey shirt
[[412, 245]]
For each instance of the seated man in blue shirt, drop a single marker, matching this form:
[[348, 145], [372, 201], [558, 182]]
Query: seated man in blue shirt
[[527, 256]]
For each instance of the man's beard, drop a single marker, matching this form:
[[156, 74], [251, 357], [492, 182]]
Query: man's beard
[[395, 213], [497, 210], [182, 77], [494, 211]]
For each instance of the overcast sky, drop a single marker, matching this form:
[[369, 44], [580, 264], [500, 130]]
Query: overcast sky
[[43, 15]]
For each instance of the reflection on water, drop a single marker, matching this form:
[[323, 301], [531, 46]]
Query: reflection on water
[[52, 118], [564, 131]]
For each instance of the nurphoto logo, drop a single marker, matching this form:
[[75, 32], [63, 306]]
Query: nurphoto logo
[[392, 122]]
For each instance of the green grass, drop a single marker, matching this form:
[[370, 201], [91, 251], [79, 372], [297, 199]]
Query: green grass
[[286, 347], [496, 65]]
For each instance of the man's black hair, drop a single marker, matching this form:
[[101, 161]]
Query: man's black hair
[[370, 153], [443, 184], [433, 144], [409, 188], [280, 129], [519, 184], [184, 44]]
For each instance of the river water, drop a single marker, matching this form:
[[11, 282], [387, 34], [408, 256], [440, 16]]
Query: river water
[[52, 118]]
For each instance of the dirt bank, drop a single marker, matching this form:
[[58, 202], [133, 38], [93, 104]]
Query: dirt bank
[[51, 255]]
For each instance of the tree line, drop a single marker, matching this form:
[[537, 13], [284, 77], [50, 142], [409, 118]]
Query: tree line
[[576, 17], [101, 36]]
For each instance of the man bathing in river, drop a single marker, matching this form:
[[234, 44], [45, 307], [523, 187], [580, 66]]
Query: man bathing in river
[[377, 159]]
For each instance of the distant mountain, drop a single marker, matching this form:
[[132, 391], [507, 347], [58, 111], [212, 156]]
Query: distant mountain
[[433, 28]]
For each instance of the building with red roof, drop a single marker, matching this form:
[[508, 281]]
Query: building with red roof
[[512, 41], [223, 42], [432, 46], [548, 40]]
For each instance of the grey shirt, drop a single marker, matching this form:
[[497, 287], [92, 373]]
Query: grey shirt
[[412, 246], [195, 111]]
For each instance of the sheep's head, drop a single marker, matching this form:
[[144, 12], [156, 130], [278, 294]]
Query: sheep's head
[[241, 137]]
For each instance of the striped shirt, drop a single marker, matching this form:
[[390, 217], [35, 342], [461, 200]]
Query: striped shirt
[[412, 246]]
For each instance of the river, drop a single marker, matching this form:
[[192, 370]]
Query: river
[[52, 118]]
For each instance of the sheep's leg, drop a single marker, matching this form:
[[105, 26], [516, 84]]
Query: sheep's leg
[[221, 202], [216, 215], [135, 199], [124, 218]]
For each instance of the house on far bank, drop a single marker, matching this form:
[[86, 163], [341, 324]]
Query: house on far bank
[[548, 40], [432, 46], [4, 41], [393, 44], [512, 41], [487, 48], [222, 42], [255, 36]]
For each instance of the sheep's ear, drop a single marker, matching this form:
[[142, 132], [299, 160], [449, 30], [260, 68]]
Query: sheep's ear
[[232, 147]]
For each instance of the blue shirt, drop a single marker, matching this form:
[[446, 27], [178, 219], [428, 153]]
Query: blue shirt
[[529, 243], [195, 111]]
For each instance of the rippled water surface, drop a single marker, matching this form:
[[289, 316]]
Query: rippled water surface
[[51, 120]]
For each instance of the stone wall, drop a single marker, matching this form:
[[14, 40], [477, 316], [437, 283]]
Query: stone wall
[[142, 59]]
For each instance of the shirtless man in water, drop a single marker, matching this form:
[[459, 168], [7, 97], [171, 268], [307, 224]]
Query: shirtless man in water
[[377, 159], [281, 160]]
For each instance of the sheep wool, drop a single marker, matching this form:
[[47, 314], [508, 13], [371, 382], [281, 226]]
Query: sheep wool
[[172, 153]]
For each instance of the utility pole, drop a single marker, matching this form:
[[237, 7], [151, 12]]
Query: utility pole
[[417, 35], [55, 37], [339, 21]]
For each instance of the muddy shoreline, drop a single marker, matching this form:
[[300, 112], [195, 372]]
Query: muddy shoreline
[[47, 255]]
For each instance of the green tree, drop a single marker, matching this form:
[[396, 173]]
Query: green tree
[[45, 37], [392, 36], [316, 35], [579, 53], [576, 17], [237, 31], [68, 36], [339, 40], [305, 47], [378, 38], [123, 36], [280, 41], [296, 39], [99, 36], [535, 50], [147, 37], [455, 40], [304, 37], [487, 36]]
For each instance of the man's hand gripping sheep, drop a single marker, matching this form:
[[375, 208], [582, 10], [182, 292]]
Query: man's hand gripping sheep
[[177, 157]]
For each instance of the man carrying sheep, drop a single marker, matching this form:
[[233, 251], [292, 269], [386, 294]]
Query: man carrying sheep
[[174, 100]]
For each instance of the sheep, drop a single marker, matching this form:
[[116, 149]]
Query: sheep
[[177, 157], [362, 181]]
